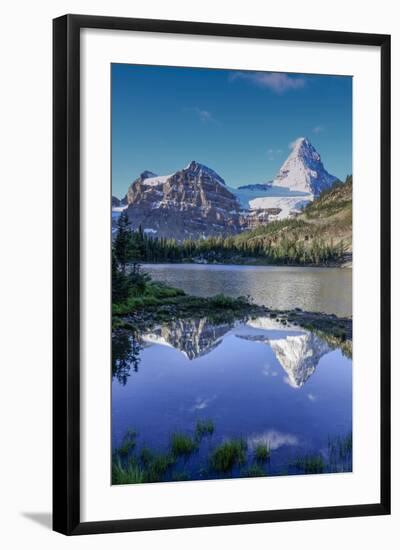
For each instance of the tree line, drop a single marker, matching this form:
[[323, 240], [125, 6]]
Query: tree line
[[126, 282], [266, 243]]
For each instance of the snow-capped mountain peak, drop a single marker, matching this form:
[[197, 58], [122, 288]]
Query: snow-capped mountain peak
[[193, 202], [303, 170], [147, 174], [201, 170]]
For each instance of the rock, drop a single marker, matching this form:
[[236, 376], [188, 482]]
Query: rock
[[191, 203]]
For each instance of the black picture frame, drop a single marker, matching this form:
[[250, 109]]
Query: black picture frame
[[66, 273]]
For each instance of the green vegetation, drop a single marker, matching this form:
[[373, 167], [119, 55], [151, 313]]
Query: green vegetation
[[203, 428], [254, 471], [180, 476], [146, 456], [128, 443], [262, 452], [182, 444], [320, 235], [310, 464], [158, 467], [340, 453], [229, 454], [153, 294], [130, 472], [133, 290], [148, 466]]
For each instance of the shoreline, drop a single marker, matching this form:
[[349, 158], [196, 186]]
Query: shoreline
[[219, 309], [347, 265]]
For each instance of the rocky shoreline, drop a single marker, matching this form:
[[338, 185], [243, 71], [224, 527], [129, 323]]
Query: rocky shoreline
[[335, 330]]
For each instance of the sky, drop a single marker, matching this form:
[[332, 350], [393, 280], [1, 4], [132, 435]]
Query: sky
[[239, 123]]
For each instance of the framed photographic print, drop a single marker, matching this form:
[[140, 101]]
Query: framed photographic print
[[221, 274]]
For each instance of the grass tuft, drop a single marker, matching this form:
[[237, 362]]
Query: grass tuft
[[262, 452], [130, 473], [203, 428], [254, 471], [158, 467], [229, 454], [182, 445], [128, 443], [311, 464]]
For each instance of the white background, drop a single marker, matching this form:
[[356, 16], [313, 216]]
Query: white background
[[26, 274], [101, 501]]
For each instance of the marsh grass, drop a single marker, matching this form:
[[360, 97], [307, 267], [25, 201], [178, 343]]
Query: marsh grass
[[149, 466], [158, 467], [310, 464], [229, 454], [128, 444], [180, 476], [254, 471], [146, 456], [204, 428], [128, 473], [182, 444], [340, 453], [262, 452]]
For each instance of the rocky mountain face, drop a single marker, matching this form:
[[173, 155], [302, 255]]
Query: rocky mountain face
[[195, 202], [256, 186], [115, 202], [191, 203], [303, 170], [193, 337], [299, 356]]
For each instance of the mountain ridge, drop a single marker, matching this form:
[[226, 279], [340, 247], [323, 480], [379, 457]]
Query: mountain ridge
[[196, 202], [193, 202]]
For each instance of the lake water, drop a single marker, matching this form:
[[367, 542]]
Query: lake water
[[255, 379], [327, 290], [267, 384]]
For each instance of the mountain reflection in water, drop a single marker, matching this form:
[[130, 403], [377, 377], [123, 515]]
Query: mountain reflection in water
[[256, 380], [193, 337], [297, 351]]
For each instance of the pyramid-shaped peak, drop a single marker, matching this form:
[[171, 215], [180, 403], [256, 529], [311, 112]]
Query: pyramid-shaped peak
[[194, 165], [202, 170], [300, 141], [303, 170]]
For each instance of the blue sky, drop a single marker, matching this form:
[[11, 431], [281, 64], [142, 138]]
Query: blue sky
[[238, 123]]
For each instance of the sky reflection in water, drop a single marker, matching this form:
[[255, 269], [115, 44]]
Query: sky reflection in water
[[256, 380]]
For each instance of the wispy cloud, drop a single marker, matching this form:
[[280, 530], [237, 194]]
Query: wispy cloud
[[202, 403], [273, 153], [202, 114], [276, 82], [318, 129], [273, 438]]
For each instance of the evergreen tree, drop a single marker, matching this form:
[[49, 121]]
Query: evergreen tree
[[119, 285], [123, 241]]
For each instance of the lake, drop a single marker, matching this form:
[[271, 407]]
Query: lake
[[327, 290], [280, 388]]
